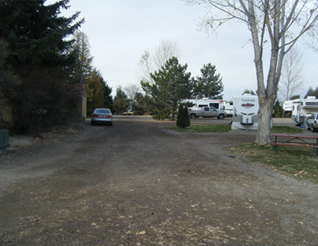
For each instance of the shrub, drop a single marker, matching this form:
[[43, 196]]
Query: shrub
[[183, 119]]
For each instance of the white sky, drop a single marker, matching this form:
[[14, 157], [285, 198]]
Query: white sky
[[120, 31]]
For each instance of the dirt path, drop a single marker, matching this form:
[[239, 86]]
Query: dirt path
[[138, 184]]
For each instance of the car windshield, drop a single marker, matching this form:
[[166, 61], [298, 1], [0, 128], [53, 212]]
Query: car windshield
[[102, 111]]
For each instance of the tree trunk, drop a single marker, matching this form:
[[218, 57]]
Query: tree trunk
[[263, 135]]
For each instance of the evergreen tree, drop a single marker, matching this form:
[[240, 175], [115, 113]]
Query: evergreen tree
[[121, 101], [36, 34], [183, 119], [179, 115], [107, 91], [94, 92], [209, 84], [295, 97], [83, 66], [247, 91], [41, 60], [108, 100], [186, 117], [139, 105], [312, 92], [171, 83], [278, 110]]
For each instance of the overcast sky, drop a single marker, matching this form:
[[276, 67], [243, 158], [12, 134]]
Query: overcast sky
[[120, 31]]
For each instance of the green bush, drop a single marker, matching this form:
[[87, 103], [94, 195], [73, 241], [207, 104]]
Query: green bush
[[183, 119]]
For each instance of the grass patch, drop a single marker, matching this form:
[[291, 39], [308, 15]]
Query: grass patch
[[227, 128], [300, 163], [201, 128], [287, 130]]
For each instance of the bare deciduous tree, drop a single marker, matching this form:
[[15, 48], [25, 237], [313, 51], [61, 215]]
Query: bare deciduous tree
[[278, 22], [131, 90], [150, 62], [291, 78], [145, 68], [164, 51]]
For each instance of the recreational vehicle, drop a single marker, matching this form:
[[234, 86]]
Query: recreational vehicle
[[245, 112], [303, 108], [288, 105], [228, 107], [204, 102]]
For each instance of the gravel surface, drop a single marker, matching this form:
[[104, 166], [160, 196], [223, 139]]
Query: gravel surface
[[136, 183]]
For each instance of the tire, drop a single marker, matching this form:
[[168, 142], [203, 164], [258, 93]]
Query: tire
[[192, 116], [221, 116], [307, 127], [313, 129]]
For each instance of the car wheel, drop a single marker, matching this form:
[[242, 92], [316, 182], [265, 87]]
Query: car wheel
[[307, 126], [313, 129], [192, 116], [221, 116]]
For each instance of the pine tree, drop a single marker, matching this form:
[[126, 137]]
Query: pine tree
[[278, 110], [121, 101], [179, 115], [83, 66], [171, 83], [209, 84], [139, 104], [41, 60], [36, 33], [183, 119], [186, 117], [95, 93]]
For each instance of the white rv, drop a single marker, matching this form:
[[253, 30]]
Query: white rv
[[303, 108], [204, 102], [245, 115], [228, 107], [288, 105]]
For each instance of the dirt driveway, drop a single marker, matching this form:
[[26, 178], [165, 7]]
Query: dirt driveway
[[136, 183]]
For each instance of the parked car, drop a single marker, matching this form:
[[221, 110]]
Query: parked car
[[312, 122], [102, 115]]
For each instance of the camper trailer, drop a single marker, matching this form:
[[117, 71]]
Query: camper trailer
[[245, 115], [303, 108]]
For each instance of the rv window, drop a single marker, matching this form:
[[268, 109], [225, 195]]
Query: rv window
[[311, 103], [202, 105], [216, 105]]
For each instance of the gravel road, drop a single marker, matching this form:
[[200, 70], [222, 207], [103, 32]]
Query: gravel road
[[136, 183]]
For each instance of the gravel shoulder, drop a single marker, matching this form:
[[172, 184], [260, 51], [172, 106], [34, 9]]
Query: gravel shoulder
[[136, 183]]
